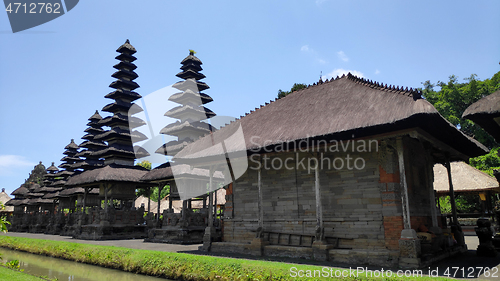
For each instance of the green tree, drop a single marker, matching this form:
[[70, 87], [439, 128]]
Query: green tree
[[154, 193], [488, 162], [3, 220], [36, 175], [454, 97], [143, 191], [295, 87]]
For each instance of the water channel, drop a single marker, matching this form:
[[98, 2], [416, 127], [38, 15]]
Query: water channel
[[68, 270]]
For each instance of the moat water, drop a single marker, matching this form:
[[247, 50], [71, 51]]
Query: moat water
[[68, 270]]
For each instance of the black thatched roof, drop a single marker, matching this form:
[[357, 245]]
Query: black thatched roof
[[16, 202], [342, 108], [126, 48], [190, 95], [164, 172], [22, 190], [483, 113], [71, 145], [172, 147], [108, 173], [52, 168]]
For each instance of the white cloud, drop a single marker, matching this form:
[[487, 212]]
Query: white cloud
[[305, 48], [377, 71], [13, 161], [10, 163], [340, 71], [342, 56], [321, 61], [319, 2]]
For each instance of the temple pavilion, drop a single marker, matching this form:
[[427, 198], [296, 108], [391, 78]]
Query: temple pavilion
[[339, 171]]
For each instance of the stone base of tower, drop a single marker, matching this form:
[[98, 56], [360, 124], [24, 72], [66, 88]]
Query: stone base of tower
[[171, 235], [110, 232]]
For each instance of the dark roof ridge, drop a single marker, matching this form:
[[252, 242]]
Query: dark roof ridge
[[414, 93]]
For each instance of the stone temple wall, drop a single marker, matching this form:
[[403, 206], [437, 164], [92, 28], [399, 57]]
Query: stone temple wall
[[351, 197]]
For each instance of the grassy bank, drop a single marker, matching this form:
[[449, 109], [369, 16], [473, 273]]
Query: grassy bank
[[12, 275], [172, 265]]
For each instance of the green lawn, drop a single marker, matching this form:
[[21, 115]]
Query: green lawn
[[12, 275], [183, 266]]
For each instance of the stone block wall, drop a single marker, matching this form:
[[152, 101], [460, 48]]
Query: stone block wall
[[351, 198]]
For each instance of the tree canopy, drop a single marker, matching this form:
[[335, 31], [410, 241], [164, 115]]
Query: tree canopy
[[453, 98], [296, 87], [152, 193]]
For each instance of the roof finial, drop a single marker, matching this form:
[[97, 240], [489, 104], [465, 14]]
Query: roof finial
[[192, 52]]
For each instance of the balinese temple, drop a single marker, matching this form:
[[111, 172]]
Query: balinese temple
[[118, 179], [187, 227], [67, 170], [19, 202], [315, 204], [87, 197], [50, 192], [91, 145], [50, 177]]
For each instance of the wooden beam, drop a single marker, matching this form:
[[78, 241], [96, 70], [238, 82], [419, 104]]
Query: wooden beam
[[452, 193], [317, 189], [259, 205], [403, 184]]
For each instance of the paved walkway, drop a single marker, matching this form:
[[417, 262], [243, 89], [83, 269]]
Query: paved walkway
[[467, 263]]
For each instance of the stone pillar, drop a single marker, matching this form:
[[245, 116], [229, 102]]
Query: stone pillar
[[409, 249]]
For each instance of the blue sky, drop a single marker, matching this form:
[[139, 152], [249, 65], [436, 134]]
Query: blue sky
[[54, 76]]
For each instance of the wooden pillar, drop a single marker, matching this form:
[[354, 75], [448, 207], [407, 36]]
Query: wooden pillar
[[106, 201], [85, 190], [149, 200], [215, 204], [259, 205], [452, 193], [160, 187], [211, 199], [170, 202], [317, 189], [432, 194], [204, 201], [403, 184]]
